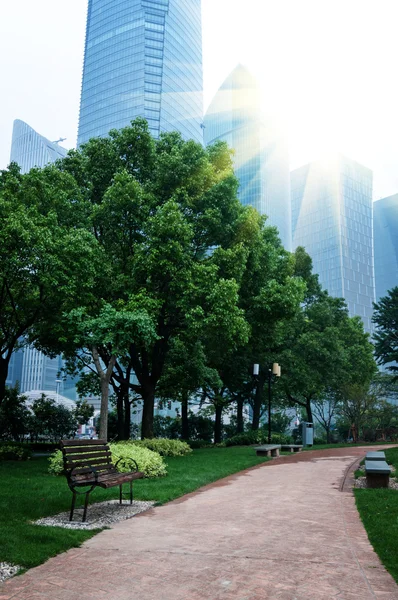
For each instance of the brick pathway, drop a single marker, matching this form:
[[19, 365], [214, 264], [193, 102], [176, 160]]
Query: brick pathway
[[281, 531]]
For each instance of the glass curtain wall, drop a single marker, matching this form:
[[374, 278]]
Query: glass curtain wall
[[332, 219], [142, 58], [261, 154]]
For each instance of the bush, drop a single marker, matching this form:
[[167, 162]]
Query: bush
[[149, 462], [12, 451], [165, 447], [198, 444], [257, 437]]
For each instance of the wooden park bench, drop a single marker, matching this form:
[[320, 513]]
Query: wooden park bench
[[268, 450], [87, 463], [377, 473]]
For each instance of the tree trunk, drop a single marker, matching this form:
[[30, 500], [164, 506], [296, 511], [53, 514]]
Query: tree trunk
[[120, 414], [327, 434], [148, 397], [218, 424], [127, 415], [105, 378], [239, 415], [104, 409], [184, 418], [309, 411], [4, 362], [258, 402]]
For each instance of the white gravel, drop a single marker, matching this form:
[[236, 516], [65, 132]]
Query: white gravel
[[360, 482], [7, 570], [99, 515]]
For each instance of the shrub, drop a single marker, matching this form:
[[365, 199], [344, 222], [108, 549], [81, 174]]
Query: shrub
[[165, 447], [149, 462], [198, 443], [12, 451], [257, 437]]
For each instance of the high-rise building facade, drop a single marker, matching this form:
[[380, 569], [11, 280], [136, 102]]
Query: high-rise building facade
[[332, 219], [385, 230], [30, 368], [142, 58], [30, 149], [261, 157]]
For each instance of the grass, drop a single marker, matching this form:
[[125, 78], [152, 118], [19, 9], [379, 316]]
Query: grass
[[28, 492], [378, 509]]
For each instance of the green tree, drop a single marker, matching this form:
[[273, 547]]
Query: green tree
[[385, 317], [45, 249], [160, 210], [14, 415]]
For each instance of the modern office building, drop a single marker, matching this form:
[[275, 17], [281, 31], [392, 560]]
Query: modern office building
[[30, 149], [261, 157], [332, 219], [385, 231], [142, 58], [29, 367]]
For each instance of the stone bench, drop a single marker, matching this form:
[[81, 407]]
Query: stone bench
[[376, 456], [292, 447], [268, 450], [377, 473]]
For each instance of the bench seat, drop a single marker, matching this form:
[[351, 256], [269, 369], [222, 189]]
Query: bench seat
[[376, 456], [268, 450], [377, 473], [292, 447]]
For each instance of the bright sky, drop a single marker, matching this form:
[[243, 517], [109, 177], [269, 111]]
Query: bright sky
[[330, 66]]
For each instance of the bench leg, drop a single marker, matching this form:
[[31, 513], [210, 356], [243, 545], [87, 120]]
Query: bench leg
[[72, 508], [85, 506], [120, 494], [131, 492], [275, 452]]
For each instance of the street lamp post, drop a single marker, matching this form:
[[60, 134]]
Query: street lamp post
[[272, 373]]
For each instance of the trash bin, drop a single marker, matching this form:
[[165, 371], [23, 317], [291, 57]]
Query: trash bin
[[307, 430]]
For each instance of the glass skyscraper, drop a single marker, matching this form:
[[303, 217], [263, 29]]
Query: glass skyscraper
[[332, 219], [142, 58], [261, 154], [385, 229], [30, 149]]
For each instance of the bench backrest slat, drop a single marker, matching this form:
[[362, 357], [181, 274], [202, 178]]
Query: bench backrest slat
[[66, 443], [84, 455]]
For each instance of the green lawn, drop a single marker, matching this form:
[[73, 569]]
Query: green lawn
[[379, 512], [346, 445], [28, 492]]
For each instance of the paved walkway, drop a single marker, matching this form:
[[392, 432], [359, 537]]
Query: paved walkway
[[281, 531]]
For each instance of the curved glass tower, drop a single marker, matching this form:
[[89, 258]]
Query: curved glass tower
[[142, 58], [30, 149], [261, 154], [385, 230]]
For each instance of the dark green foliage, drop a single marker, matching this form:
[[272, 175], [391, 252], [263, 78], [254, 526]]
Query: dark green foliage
[[260, 436], [51, 421], [14, 415], [385, 316], [14, 451]]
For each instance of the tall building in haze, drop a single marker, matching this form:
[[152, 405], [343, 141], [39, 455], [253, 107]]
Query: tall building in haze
[[30, 149], [261, 157], [332, 219], [142, 58], [385, 229]]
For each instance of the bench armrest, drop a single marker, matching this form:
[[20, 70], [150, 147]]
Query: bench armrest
[[130, 460]]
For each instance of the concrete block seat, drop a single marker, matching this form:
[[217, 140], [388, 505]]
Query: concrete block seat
[[268, 450], [377, 473], [292, 447], [376, 456]]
